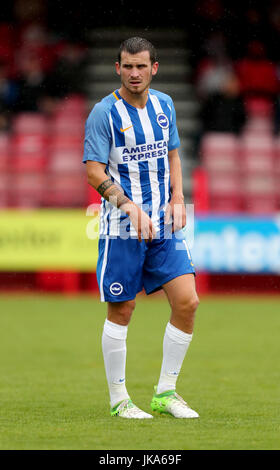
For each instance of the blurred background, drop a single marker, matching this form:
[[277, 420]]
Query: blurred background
[[220, 62]]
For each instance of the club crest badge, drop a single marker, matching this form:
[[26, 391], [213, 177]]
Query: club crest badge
[[116, 288], [162, 120]]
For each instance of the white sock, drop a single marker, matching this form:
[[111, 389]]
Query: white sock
[[114, 353], [175, 346]]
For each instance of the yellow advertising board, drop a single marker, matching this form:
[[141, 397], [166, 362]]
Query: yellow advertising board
[[48, 239]]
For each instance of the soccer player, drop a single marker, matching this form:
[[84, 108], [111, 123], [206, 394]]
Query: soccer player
[[132, 160]]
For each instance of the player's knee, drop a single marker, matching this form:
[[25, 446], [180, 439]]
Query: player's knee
[[194, 303], [125, 312], [127, 308], [183, 312], [187, 305], [121, 312]]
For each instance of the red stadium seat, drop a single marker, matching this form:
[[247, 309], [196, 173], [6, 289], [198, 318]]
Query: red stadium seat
[[65, 160], [218, 142], [219, 152], [259, 112], [256, 204], [277, 148], [66, 142], [256, 126], [257, 154], [277, 164], [220, 157], [225, 192], [218, 162], [4, 195], [4, 142], [70, 125], [253, 162], [225, 205], [260, 194], [29, 152], [26, 163], [4, 152], [33, 123], [28, 189], [29, 144], [3, 162], [66, 190], [73, 104], [258, 107], [259, 144]]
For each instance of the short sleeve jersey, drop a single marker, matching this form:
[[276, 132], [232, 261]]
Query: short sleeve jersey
[[133, 143]]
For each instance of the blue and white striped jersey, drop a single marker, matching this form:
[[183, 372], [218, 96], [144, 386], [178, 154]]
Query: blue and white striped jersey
[[134, 145]]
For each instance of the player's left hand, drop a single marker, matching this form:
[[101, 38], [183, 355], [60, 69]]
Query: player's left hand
[[176, 213]]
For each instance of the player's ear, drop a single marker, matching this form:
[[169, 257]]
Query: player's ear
[[118, 68], [155, 68]]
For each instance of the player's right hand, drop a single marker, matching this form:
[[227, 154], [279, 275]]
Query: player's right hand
[[142, 223]]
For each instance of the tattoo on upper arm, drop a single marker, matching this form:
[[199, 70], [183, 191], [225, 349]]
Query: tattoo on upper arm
[[104, 186]]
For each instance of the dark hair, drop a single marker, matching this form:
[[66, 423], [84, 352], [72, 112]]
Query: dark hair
[[135, 45]]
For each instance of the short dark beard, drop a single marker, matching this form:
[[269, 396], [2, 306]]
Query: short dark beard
[[135, 92]]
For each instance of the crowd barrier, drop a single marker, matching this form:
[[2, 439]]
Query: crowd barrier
[[61, 246]]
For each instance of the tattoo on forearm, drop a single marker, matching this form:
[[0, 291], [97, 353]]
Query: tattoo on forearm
[[114, 195], [104, 186], [121, 199]]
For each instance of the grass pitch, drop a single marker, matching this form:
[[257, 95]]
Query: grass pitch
[[53, 390]]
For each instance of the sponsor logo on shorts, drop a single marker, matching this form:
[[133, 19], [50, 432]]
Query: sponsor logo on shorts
[[162, 120], [116, 288]]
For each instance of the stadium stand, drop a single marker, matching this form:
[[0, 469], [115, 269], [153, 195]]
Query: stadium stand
[[236, 165], [39, 148], [48, 142], [240, 164], [248, 162]]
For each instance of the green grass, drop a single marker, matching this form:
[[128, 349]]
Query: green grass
[[54, 395]]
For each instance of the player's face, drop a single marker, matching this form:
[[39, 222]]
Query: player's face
[[136, 71]]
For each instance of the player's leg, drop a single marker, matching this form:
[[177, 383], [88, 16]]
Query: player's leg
[[169, 266], [114, 353], [120, 312], [114, 348], [119, 275], [183, 300]]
